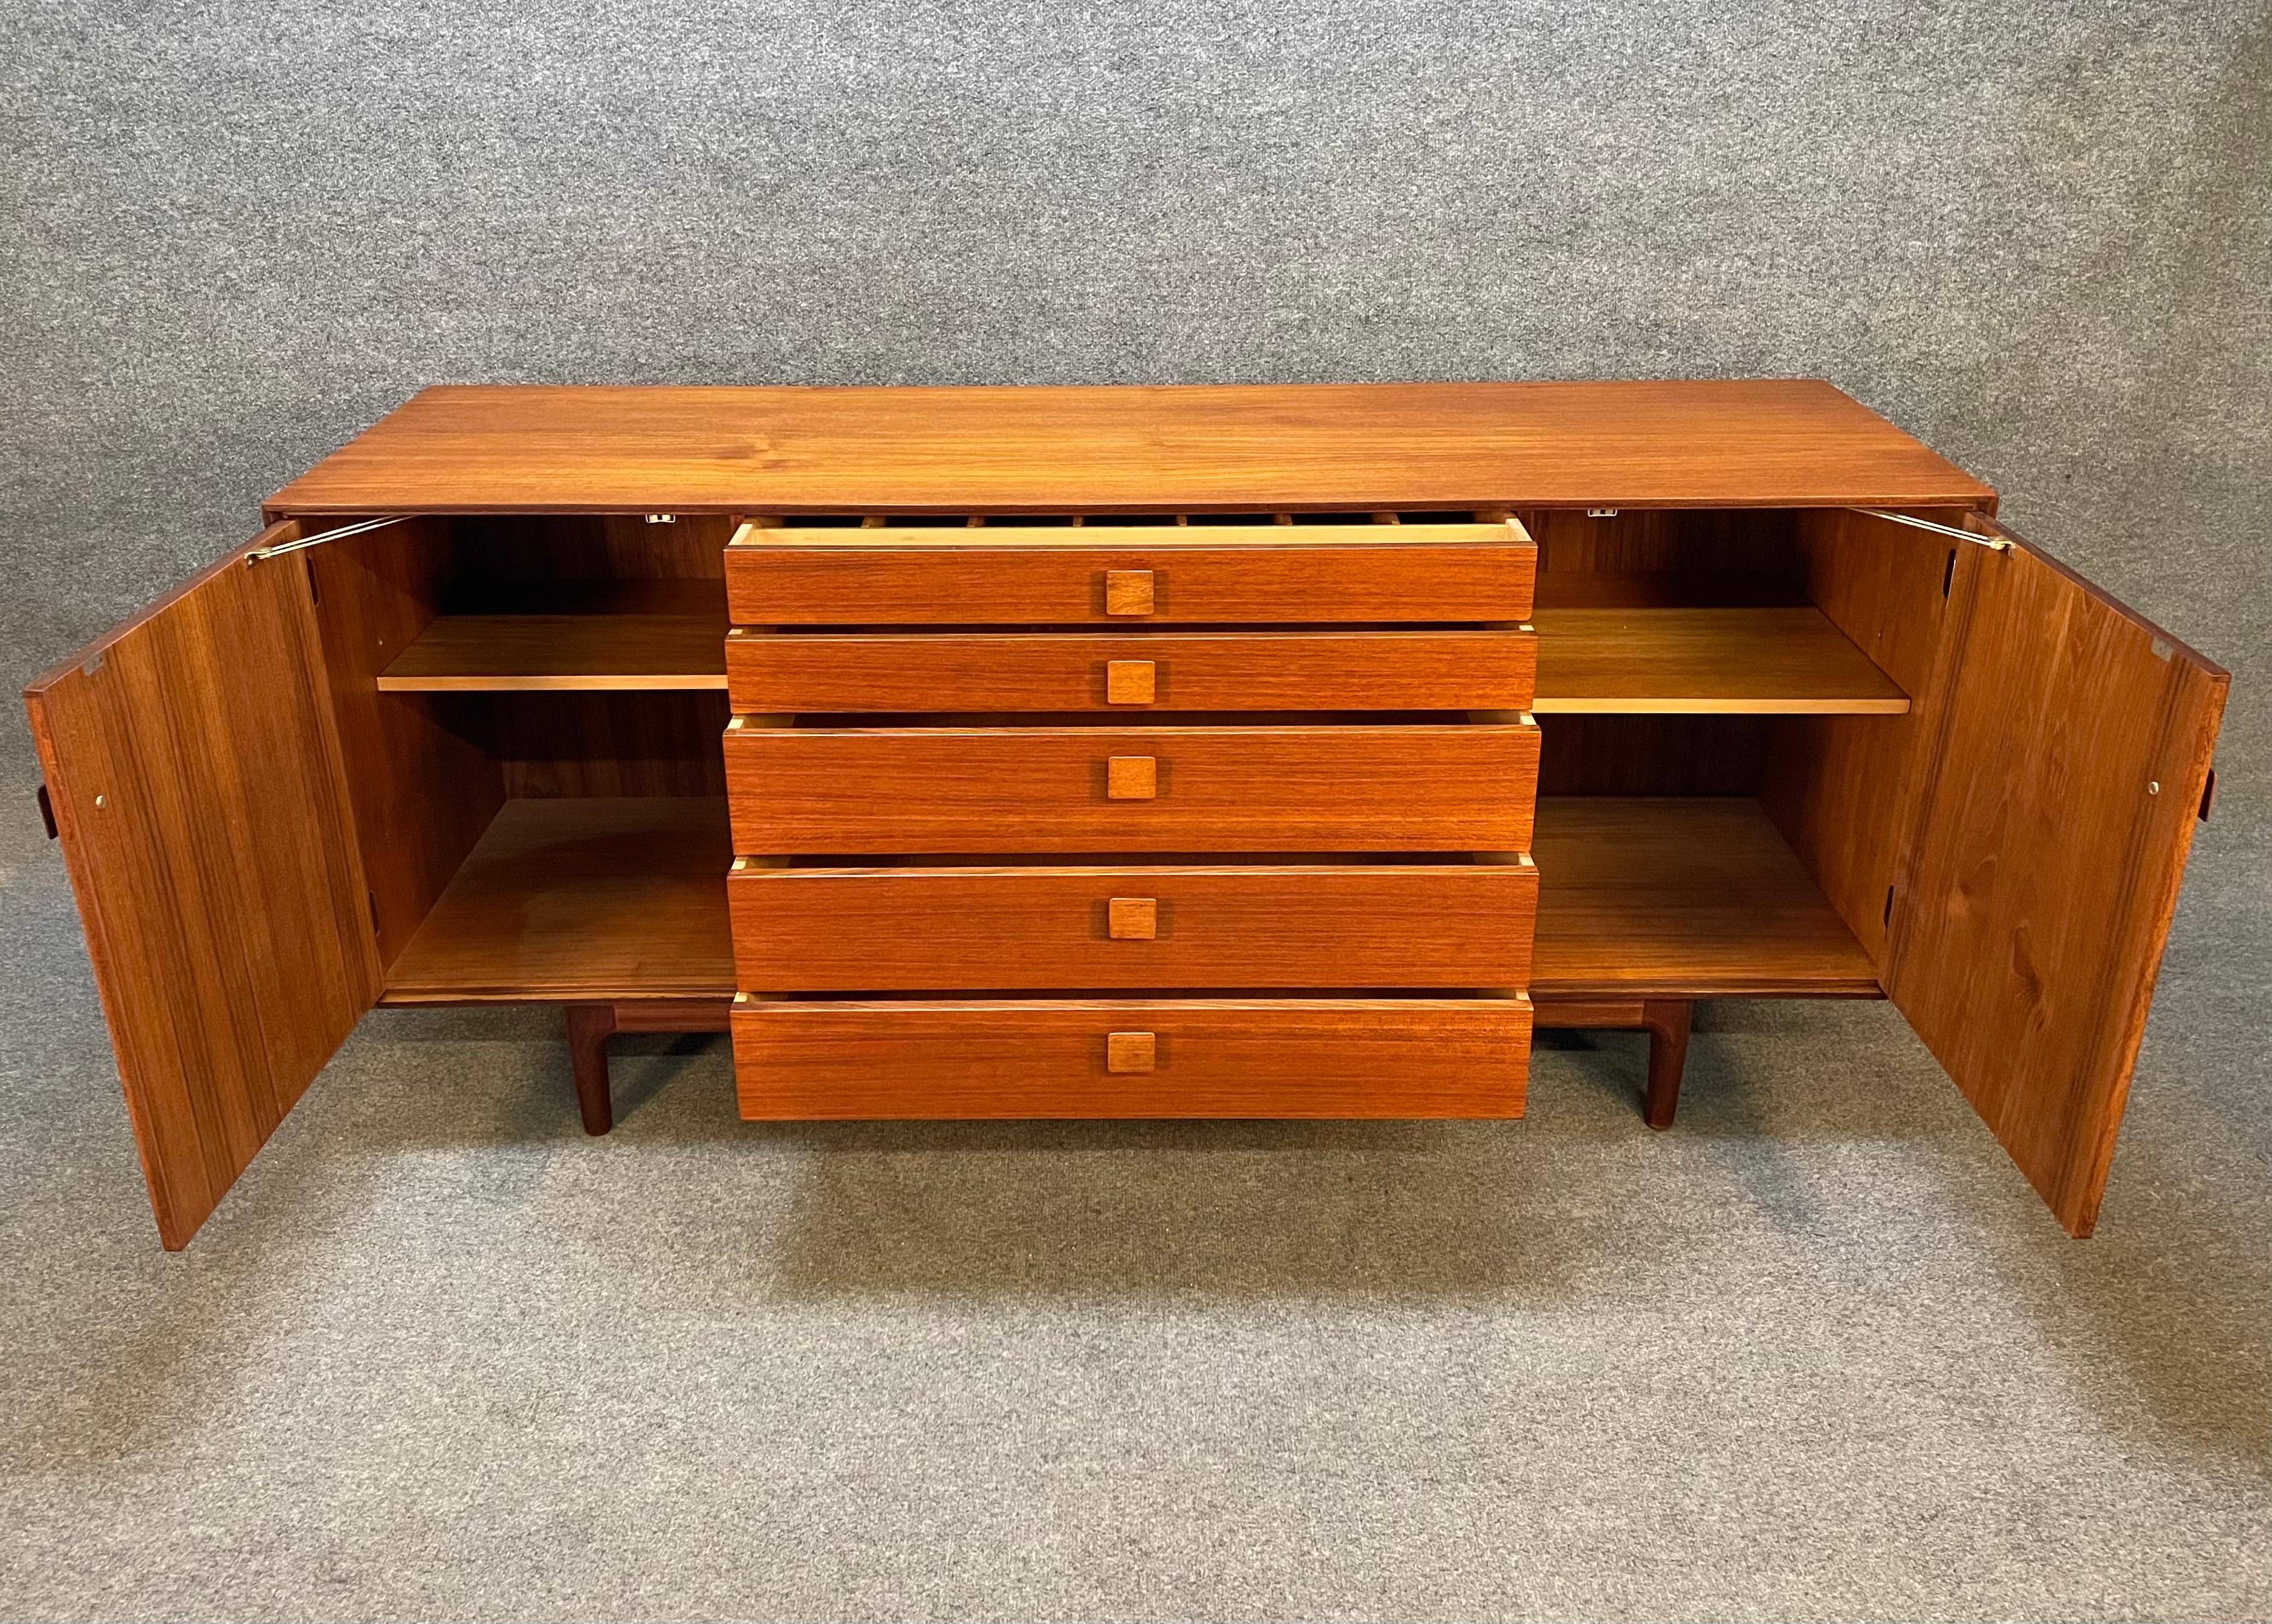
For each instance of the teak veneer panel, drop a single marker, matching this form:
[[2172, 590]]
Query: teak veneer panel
[[1297, 1057], [1776, 661], [1674, 588], [1189, 671], [1779, 442], [1579, 544], [1843, 790], [580, 899], [1129, 575], [195, 779], [1280, 788], [422, 785], [1673, 897], [620, 557], [936, 928], [499, 653], [601, 743], [2068, 764]]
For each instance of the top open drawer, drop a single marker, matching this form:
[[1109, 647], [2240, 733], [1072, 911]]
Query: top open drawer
[[1124, 573]]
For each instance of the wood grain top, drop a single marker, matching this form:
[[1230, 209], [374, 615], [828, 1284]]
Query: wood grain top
[[1220, 448]]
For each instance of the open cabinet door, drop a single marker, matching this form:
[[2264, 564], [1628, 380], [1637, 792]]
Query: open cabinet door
[[196, 785], [2065, 760]]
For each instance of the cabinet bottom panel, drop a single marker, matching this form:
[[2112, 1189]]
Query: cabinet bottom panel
[[897, 1060]]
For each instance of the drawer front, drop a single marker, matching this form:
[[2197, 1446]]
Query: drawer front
[[923, 929], [1078, 671], [1359, 1057], [1294, 788], [1129, 575]]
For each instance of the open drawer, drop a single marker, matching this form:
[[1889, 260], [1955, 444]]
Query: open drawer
[[1121, 573]]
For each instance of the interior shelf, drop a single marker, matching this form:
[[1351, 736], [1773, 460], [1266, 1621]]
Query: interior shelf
[[608, 635], [1674, 897], [1610, 643], [1664, 658], [581, 897], [509, 653]]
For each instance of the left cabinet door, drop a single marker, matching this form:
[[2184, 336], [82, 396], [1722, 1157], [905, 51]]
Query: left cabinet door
[[196, 779]]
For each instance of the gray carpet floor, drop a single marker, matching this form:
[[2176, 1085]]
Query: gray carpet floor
[[1817, 1352]]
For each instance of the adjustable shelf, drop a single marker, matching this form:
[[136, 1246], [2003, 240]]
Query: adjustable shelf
[[579, 897], [605, 635], [1778, 660], [1680, 897], [529, 653]]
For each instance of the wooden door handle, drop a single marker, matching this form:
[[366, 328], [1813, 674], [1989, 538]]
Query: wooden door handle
[[1127, 591], [1131, 1051], [1132, 777], [1130, 681], [1132, 918]]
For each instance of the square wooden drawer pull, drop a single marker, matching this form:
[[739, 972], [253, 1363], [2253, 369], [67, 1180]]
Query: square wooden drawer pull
[[1132, 777], [1127, 591], [1132, 918], [1130, 681], [1130, 1051]]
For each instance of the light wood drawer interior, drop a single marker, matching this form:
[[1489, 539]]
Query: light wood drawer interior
[[1363, 786], [797, 1058], [910, 926]]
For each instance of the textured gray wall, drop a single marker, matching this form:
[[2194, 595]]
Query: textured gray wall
[[2037, 236]]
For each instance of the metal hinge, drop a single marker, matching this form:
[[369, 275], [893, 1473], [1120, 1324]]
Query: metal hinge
[[1997, 543], [358, 528]]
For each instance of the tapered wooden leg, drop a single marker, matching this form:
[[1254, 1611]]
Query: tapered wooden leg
[[1666, 1022], [589, 1027]]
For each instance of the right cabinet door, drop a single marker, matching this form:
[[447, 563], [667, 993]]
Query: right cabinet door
[[2066, 756]]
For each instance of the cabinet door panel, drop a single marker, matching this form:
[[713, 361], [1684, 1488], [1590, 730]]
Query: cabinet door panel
[[197, 792], [2069, 750]]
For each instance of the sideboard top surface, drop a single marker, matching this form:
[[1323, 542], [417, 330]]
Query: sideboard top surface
[[1796, 443]]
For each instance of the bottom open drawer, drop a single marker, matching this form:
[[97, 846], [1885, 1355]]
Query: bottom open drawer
[[896, 1059]]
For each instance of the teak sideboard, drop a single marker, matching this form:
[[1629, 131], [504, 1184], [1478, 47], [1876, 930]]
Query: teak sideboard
[[1159, 752]]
